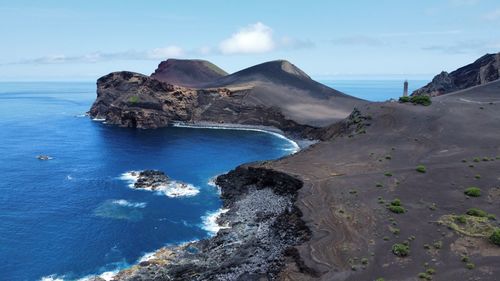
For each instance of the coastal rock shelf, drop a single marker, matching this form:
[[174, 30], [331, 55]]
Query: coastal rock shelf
[[262, 225]]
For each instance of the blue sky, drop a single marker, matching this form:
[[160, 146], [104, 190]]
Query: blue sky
[[83, 40]]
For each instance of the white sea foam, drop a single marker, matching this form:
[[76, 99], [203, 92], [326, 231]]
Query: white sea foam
[[99, 119], [293, 149], [211, 182], [52, 277], [210, 221], [146, 257], [125, 203], [171, 189]]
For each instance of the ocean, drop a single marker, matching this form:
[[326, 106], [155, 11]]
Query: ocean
[[77, 215], [374, 90]]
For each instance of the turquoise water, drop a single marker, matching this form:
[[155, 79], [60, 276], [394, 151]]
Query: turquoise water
[[74, 215]]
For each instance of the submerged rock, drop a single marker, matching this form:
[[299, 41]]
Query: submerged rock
[[151, 179], [44, 157]]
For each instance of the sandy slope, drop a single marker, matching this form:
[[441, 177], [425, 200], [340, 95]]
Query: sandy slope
[[340, 197]]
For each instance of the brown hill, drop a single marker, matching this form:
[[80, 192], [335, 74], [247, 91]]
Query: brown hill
[[187, 73], [282, 84]]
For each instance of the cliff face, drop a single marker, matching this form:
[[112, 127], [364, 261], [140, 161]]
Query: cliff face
[[134, 100], [483, 70]]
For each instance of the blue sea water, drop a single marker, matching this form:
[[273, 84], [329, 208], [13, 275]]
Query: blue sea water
[[74, 215], [374, 90]]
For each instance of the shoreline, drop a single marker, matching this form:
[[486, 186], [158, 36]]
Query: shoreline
[[210, 221], [298, 144]]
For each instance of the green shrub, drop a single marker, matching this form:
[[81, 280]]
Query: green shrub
[[470, 265], [388, 174], [476, 159], [404, 99], [396, 209], [437, 245], [473, 192], [421, 169], [476, 212], [133, 99], [431, 271], [423, 275], [380, 279], [400, 250], [388, 157], [461, 219], [495, 237], [477, 176], [423, 100], [396, 202]]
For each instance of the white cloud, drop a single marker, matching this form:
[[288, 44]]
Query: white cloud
[[166, 52], [493, 15], [253, 39], [295, 44]]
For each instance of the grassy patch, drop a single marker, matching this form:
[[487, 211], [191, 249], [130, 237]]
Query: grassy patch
[[473, 192], [421, 169], [474, 226]]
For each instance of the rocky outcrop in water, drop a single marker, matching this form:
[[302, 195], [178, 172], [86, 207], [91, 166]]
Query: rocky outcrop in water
[[151, 179], [483, 70]]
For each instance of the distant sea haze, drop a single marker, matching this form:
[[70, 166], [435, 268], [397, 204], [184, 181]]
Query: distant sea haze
[[374, 90]]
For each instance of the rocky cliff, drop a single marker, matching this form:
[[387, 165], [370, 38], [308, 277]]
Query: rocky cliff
[[273, 94], [483, 70]]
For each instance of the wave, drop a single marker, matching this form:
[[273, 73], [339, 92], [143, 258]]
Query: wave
[[210, 221], [293, 149], [107, 276], [171, 189], [99, 119]]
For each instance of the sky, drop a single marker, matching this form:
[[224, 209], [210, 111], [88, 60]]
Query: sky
[[82, 40]]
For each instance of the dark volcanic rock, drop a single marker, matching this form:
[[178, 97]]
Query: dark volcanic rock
[[263, 224], [150, 179], [483, 70]]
